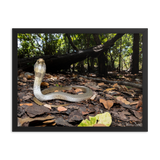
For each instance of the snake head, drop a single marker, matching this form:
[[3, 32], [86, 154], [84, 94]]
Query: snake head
[[40, 66]]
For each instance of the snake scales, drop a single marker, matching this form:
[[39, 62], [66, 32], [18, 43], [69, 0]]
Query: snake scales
[[47, 94]]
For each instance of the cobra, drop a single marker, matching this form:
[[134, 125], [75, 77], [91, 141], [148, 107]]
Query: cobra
[[49, 94]]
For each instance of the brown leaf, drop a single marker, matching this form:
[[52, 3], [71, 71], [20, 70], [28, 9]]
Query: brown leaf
[[49, 121], [109, 96], [21, 84], [107, 103], [122, 116], [139, 103], [78, 90], [26, 104], [93, 96], [45, 84], [48, 106], [137, 114], [115, 85], [135, 102], [29, 76], [27, 97], [109, 89], [101, 84], [28, 119], [84, 113], [94, 88], [24, 79], [61, 109], [140, 109], [123, 100]]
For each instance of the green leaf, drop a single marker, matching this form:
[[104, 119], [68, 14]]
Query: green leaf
[[104, 118]]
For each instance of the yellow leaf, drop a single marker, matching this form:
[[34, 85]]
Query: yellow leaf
[[109, 89]]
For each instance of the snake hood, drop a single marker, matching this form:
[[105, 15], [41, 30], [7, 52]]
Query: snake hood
[[40, 70]]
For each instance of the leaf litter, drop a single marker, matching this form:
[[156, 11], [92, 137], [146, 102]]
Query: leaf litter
[[122, 103]]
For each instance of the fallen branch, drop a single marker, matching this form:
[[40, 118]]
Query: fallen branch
[[113, 82]]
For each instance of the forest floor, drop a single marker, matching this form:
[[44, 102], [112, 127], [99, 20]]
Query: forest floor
[[124, 103]]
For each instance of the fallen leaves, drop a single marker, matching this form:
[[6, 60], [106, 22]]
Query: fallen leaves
[[21, 83], [101, 84], [93, 96], [107, 103], [26, 104], [44, 84], [103, 119], [123, 100], [61, 109], [109, 89], [28, 119], [47, 106]]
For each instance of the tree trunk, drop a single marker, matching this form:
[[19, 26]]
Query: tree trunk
[[119, 69], [135, 56], [101, 58]]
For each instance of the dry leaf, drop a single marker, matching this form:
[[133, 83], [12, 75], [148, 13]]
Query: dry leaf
[[21, 84], [53, 78], [24, 79], [123, 100], [78, 90], [48, 106], [54, 124], [135, 102], [109, 96], [101, 84], [61, 109], [109, 89], [107, 103], [124, 88], [93, 96], [140, 110], [49, 121], [139, 103], [26, 104], [137, 114], [115, 85], [29, 77], [45, 84], [61, 78], [28, 119]]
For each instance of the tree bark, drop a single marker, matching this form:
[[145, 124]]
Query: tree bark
[[135, 56], [71, 42], [61, 62], [101, 58]]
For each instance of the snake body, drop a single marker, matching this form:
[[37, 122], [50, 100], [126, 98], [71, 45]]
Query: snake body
[[47, 94]]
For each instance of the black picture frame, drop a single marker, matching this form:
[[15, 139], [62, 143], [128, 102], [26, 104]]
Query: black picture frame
[[14, 30]]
